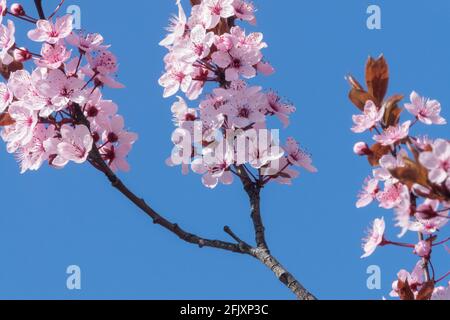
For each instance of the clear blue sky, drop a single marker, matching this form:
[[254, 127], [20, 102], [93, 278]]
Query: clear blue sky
[[52, 219]]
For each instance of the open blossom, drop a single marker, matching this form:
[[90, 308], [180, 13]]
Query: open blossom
[[218, 9], [437, 161], [297, 156], [393, 135], [237, 62], [7, 41], [441, 293], [86, 43], [392, 195], [6, 97], [367, 121], [53, 56], [429, 219], [414, 279], [47, 31], [22, 130], [176, 78], [427, 111], [75, 145], [102, 67], [245, 11], [199, 45], [177, 27], [368, 194], [278, 108], [375, 237]]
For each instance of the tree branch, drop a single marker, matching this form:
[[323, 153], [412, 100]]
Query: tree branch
[[39, 8]]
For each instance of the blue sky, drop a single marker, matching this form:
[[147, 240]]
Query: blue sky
[[52, 219]]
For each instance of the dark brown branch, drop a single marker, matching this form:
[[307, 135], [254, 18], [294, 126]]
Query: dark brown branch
[[253, 191], [96, 160], [39, 8]]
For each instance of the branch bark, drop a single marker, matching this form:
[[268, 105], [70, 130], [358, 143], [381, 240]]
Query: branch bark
[[39, 8]]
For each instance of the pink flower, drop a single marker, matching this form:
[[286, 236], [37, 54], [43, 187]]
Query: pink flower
[[86, 43], [393, 135], [177, 27], [102, 66], [116, 157], [375, 238], [237, 62], [297, 156], [61, 90], [32, 155], [177, 76], [46, 31], [441, 293], [115, 133], [6, 97], [423, 249], [244, 11], [427, 111], [369, 119], [199, 45], [392, 195], [437, 161], [7, 41], [429, 220], [278, 108], [75, 145], [414, 279], [25, 121], [3, 9], [214, 167], [52, 56], [219, 9], [368, 194], [22, 54]]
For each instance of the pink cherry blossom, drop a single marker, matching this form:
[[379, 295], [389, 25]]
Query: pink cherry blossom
[[375, 237], [25, 122], [427, 111], [52, 56], [50, 32], [177, 27], [437, 161], [237, 62], [114, 132], [278, 108], [441, 293], [178, 76], [116, 157], [219, 9], [244, 11], [6, 97], [392, 195], [297, 156], [75, 145], [361, 149], [87, 43], [7, 41], [102, 67], [368, 194], [367, 121], [414, 279], [393, 135]]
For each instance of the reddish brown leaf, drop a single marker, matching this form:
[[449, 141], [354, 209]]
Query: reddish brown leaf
[[359, 98], [6, 70], [411, 174], [393, 112], [377, 78], [195, 2], [354, 83], [404, 291], [427, 291], [377, 152], [6, 120]]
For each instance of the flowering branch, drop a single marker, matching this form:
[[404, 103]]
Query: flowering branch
[[56, 114], [415, 172]]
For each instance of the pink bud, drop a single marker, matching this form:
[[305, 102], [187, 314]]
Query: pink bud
[[423, 249], [362, 149], [22, 54], [17, 9]]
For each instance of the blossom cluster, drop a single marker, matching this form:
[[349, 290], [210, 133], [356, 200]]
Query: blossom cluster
[[55, 112], [227, 130], [411, 176]]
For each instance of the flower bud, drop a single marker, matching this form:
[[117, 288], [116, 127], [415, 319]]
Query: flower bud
[[423, 249], [21, 54], [17, 9], [362, 149]]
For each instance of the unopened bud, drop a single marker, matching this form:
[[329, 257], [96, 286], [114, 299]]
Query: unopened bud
[[423, 249], [22, 54], [17, 9], [362, 149]]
